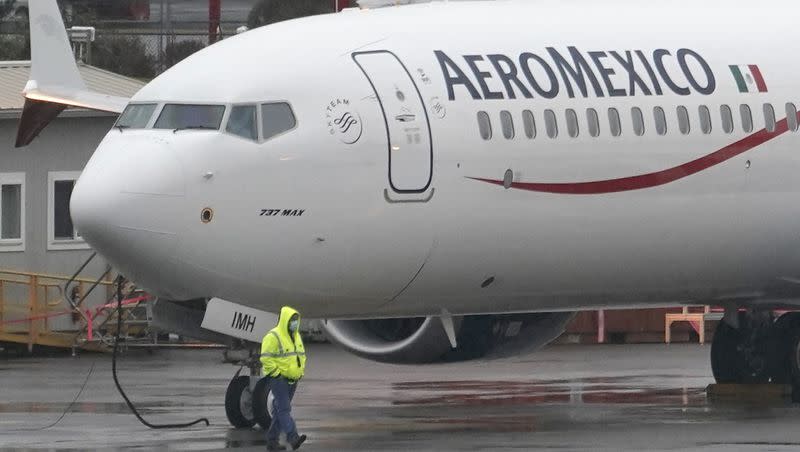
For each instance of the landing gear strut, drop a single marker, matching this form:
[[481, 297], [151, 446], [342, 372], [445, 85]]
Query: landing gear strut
[[247, 397], [759, 349]]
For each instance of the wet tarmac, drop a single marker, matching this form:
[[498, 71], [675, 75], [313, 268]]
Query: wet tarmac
[[564, 398]]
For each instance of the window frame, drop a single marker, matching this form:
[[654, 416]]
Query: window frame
[[770, 120], [229, 110], [14, 245], [507, 124], [528, 119], [684, 120], [483, 117], [637, 116], [749, 125], [572, 122], [593, 122], [550, 124], [259, 106], [53, 244], [162, 105], [727, 118], [791, 112], [660, 121], [706, 122], [614, 122]]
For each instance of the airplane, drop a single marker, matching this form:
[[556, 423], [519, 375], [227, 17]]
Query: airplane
[[454, 180]]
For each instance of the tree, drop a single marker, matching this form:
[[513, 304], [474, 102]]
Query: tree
[[14, 47], [176, 52], [270, 11], [125, 55], [7, 7]]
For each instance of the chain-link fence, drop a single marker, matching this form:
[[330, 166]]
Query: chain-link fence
[[135, 52]]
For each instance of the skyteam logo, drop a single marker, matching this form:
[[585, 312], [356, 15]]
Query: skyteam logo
[[344, 121]]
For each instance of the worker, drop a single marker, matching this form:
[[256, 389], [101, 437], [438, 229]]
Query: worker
[[284, 361]]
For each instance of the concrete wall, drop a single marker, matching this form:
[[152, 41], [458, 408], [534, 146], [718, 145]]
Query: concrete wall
[[65, 145]]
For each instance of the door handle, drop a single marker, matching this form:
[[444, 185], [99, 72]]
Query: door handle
[[406, 117]]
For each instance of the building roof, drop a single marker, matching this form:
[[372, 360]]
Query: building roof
[[14, 76]]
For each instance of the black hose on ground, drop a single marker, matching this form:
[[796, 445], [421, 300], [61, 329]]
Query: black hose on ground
[[116, 380]]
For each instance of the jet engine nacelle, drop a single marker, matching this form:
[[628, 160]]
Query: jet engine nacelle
[[424, 340]]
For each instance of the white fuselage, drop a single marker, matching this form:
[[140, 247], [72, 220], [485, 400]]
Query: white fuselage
[[389, 217]]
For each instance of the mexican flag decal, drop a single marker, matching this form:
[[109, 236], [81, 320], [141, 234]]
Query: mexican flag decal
[[748, 75]]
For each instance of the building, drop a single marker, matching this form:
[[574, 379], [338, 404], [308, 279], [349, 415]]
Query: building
[[36, 232]]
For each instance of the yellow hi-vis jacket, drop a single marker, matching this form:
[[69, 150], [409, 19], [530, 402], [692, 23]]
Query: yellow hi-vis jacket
[[282, 353]]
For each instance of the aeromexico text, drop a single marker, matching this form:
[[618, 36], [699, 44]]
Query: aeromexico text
[[577, 73]]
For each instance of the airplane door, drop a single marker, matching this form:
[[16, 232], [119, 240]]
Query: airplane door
[[407, 127]]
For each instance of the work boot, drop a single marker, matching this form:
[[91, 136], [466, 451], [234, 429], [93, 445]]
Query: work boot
[[297, 442], [275, 445]]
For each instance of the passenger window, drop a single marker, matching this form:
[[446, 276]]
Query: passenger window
[[683, 120], [276, 118], [661, 120], [727, 118], [614, 124], [769, 117], [572, 123], [550, 124], [507, 123], [484, 125], [180, 116], [594, 122], [529, 124], [638, 121], [791, 116], [747, 118], [136, 116], [705, 119], [242, 122]]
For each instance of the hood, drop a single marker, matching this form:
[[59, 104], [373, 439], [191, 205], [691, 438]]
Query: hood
[[286, 314]]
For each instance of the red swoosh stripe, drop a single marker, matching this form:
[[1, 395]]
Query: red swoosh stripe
[[651, 179]]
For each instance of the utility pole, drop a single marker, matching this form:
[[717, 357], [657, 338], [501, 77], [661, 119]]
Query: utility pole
[[214, 16]]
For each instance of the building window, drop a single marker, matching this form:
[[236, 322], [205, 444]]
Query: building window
[[484, 125], [614, 124], [769, 117], [661, 120], [791, 116], [705, 119], [594, 122], [12, 212], [638, 121], [747, 118], [529, 124], [507, 124], [572, 123], [727, 118], [62, 234], [683, 120], [550, 124]]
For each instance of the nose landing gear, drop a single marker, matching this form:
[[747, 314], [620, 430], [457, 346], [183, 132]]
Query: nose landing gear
[[759, 349], [248, 397]]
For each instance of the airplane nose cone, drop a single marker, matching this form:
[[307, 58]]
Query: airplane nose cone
[[125, 206]]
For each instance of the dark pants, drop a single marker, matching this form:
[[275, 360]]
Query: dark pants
[[282, 421]]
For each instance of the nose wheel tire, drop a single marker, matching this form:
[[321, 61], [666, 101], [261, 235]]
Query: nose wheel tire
[[239, 403], [262, 403]]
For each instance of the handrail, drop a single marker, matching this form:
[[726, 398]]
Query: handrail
[[55, 277]]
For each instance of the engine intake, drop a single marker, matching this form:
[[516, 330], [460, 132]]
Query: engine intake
[[424, 340]]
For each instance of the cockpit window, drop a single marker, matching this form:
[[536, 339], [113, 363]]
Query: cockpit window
[[136, 116], [242, 122], [180, 116], [276, 118]]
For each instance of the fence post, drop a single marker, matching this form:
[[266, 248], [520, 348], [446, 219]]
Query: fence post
[[33, 307], [2, 306]]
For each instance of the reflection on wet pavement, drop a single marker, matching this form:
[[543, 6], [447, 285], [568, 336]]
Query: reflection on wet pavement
[[563, 398]]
